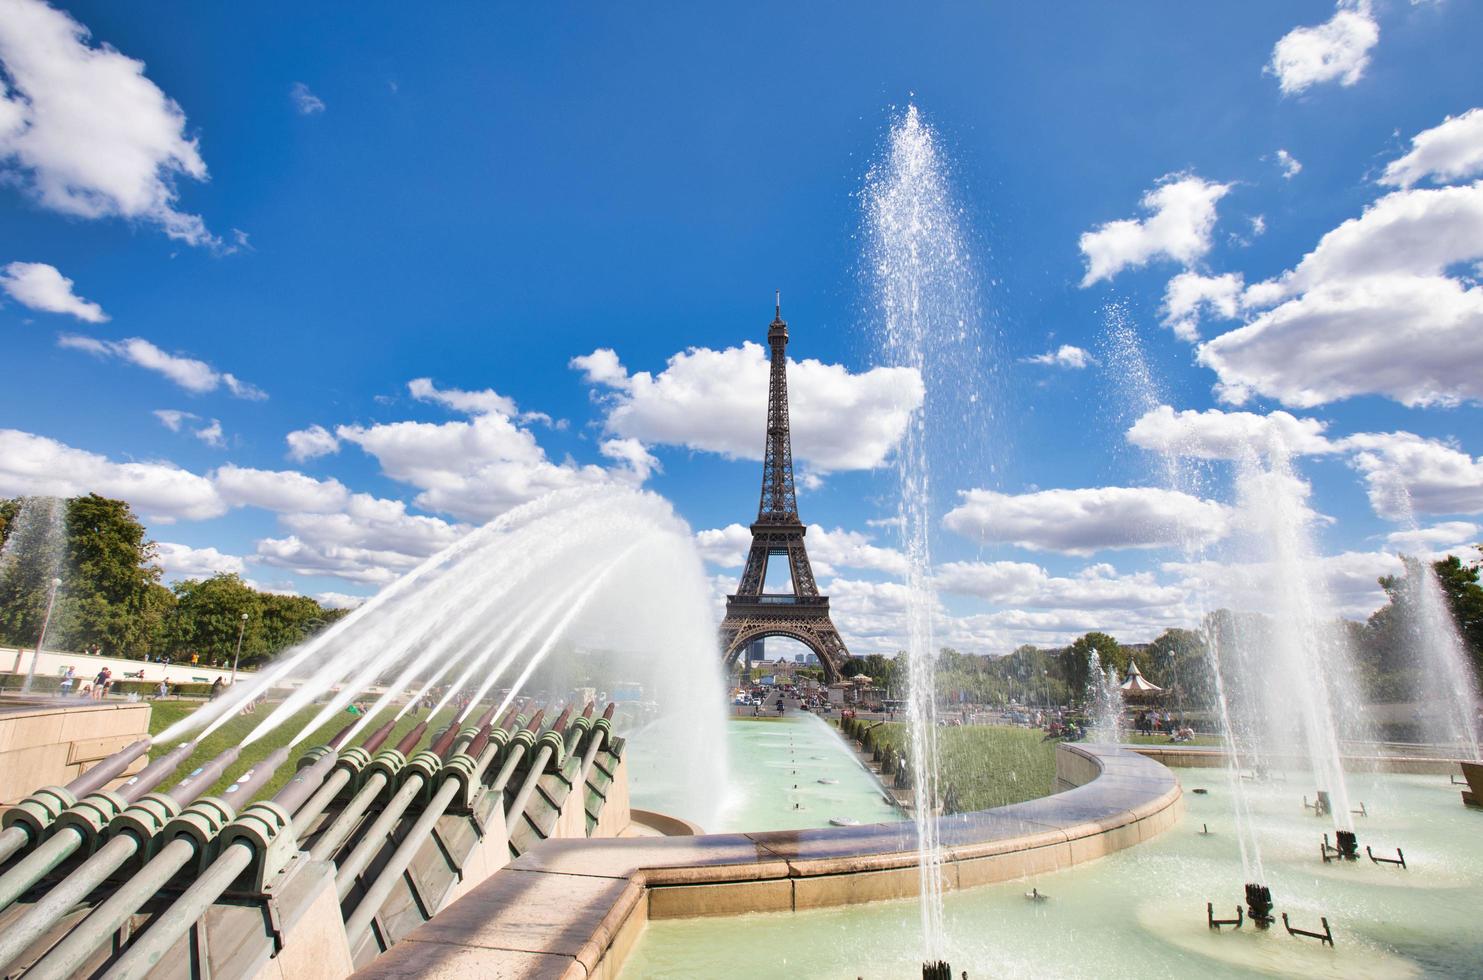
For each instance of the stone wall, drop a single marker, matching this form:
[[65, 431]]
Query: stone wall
[[51, 744]]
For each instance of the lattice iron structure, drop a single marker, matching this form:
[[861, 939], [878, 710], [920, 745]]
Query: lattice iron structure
[[801, 613]]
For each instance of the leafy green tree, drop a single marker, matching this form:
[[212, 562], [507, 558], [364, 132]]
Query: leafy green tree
[[112, 594], [1178, 662], [1077, 659]]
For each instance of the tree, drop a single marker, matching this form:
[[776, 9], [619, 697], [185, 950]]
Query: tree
[[110, 594], [1177, 661], [113, 596], [1464, 595], [1076, 659]]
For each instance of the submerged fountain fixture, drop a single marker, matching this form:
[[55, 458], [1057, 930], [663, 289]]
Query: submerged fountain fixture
[[1326, 937], [1259, 905], [1345, 847]]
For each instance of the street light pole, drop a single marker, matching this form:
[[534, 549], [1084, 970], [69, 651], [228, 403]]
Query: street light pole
[[41, 643], [240, 630]]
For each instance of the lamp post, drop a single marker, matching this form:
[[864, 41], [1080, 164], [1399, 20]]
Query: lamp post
[[51, 600], [240, 630]]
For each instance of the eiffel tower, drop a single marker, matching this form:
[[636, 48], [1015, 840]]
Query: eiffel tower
[[802, 613]]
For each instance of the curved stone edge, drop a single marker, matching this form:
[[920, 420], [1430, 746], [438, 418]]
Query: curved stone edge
[[575, 908], [1216, 757]]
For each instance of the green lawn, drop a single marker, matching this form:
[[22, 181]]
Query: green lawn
[[988, 765], [166, 713]]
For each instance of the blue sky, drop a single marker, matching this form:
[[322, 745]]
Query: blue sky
[[275, 218]]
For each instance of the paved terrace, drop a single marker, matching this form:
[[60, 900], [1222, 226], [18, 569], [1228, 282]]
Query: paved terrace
[[574, 908]]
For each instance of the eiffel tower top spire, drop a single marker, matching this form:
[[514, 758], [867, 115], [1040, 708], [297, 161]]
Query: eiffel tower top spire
[[779, 497]]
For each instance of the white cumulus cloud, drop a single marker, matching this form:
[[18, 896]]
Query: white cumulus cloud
[[1447, 152], [193, 375], [1083, 521], [1373, 309], [1216, 434], [1336, 50], [162, 492], [311, 443], [1179, 225], [716, 401], [1407, 474], [1065, 356], [1450, 536], [85, 132], [183, 561], [1290, 165], [1190, 294], [42, 287]]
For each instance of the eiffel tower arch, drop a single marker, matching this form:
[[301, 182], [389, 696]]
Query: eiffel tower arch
[[800, 614]]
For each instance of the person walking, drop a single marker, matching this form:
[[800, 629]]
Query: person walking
[[67, 680]]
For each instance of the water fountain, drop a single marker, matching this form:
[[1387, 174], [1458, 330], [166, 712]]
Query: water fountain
[[1104, 701], [31, 563], [1178, 469], [579, 594], [918, 268]]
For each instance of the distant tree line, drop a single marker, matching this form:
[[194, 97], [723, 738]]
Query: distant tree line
[[1384, 648], [112, 597]]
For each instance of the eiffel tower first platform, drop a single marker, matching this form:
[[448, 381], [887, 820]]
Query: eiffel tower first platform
[[802, 613]]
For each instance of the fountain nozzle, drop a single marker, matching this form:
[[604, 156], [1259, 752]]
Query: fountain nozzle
[[1259, 905]]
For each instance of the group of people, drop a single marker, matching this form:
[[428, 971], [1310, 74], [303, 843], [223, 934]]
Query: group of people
[[1149, 722], [96, 691]]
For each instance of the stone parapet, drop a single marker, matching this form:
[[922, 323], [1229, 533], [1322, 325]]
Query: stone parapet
[[48, 743]]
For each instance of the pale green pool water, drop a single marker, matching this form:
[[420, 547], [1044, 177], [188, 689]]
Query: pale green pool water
[[1140, 913], [795, 772]]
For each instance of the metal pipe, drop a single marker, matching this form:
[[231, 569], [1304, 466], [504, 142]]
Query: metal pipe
[[155, 773], [517, 752], [294, 793], [376, 894], [94, 779], [533, 774], [589, 754], [375, 836], [378, 737], [483, 754], [61, 845], [65, 958], [250, 782], [16, 837], [72, 889], [330, 840], [68, 956], [147, 950], [202, 777], [333, 836]]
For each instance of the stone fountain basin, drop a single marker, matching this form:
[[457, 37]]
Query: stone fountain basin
[[575, 908]]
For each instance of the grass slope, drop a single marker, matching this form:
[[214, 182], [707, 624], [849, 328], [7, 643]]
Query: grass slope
[[988, 765], [167, 713]]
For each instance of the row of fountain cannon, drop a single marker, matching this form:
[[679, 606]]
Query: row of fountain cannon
[[362, 845]]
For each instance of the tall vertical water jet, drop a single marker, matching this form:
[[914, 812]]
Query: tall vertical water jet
[[927, 309], [1180, 472], [1104, 700], [1446, 687], [32, 557], [1300, 667]]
